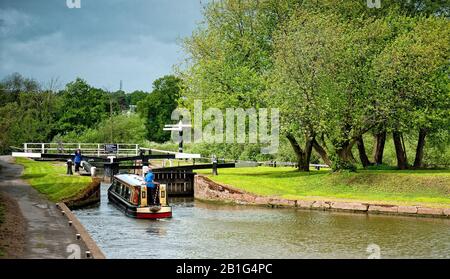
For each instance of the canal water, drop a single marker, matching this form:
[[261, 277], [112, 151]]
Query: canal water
[[206, 230]]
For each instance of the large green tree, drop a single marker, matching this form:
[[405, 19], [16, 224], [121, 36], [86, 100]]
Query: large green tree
[[303, 49], [414, 73], [157, 107], [32, 118], [84, 107], [12, 85]]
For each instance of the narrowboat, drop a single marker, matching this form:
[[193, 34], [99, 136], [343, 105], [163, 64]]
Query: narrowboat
[[130, 194]]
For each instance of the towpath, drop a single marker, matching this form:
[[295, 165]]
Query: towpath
[[47, 233]]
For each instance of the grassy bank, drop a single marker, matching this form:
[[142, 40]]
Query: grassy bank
[[50, 179], [426, 187]]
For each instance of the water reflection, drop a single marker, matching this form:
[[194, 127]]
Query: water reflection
[[210, 230]]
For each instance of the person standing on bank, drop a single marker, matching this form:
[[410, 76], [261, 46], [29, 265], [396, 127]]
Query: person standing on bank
[[77, 160], [151, 187]]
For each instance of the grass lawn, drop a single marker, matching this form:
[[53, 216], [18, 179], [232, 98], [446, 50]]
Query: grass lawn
[[426, 187], [50, 179]]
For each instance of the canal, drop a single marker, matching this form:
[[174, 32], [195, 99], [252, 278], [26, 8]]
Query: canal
[[205, 230]]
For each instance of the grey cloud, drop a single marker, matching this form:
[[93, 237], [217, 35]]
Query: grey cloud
[[104, 42]]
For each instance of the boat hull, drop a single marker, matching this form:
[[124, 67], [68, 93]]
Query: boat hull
[[138, 212]]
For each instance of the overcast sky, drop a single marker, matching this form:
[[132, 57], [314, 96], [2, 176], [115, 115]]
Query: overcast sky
[[104, 41]]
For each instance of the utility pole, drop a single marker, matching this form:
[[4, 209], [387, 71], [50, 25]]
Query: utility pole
[[110, 116]]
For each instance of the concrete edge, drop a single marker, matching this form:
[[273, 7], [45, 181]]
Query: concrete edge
[[232, 194], [94, 250]]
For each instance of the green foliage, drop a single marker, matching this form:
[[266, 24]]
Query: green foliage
[[229, 151], [157, 107], [135, 97], [31, 118], [413, 71], [338, 164], [14, 84], [336, 69], [229, 55], [123, 128], [84, 106]]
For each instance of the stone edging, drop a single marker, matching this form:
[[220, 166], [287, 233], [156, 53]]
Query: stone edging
[[206, 189], [94, 250]]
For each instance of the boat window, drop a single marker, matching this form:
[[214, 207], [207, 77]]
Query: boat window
[[116, 186], [127, 193], [122, 190]]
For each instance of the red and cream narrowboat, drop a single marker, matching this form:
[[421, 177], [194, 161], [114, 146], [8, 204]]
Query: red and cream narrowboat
[[130, 194]]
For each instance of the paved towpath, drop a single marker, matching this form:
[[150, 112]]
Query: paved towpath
[[48, 234]]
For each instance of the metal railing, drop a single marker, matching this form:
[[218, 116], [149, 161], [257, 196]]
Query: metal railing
[[89, 149]]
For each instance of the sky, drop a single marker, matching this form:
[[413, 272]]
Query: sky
[[103, 41]]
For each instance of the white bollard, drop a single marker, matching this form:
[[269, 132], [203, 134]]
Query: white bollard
[[93, 171]]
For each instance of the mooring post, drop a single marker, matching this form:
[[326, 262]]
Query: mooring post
[[180, 144], [111, 169], [214, 165]]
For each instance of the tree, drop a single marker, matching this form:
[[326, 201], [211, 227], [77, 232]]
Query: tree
[[135, 97], [303, 48], [157, 107], [83, 107], [127, 129], [229, 56], [31, 119], [12, 85], [414, 71]]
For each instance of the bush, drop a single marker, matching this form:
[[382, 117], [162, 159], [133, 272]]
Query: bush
[[125, 129]]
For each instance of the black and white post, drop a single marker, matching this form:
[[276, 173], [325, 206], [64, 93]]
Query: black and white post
[[178, 127]]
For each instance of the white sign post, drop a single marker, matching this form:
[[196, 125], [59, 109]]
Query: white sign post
[[178, 127]]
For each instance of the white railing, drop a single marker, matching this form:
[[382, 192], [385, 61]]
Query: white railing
[[92, 149]]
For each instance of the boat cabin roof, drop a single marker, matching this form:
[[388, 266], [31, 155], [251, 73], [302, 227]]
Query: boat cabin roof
[[131, 179]]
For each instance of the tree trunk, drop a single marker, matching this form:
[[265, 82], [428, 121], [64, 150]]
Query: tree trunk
[[346, 154], [402, 162], [362, 152], [379, 147], [419, 149], [345, 157], [321, 151], [303, 157], [307, 158]]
